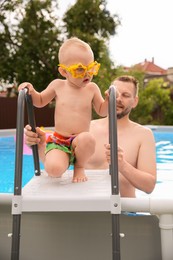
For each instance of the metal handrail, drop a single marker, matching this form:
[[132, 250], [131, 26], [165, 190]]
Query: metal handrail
[[17, 200], [113, 169]]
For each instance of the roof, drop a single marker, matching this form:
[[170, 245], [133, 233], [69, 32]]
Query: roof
[[150, 67]]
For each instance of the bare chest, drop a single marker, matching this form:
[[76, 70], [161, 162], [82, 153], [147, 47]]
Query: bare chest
[[74, 101], [130, 145]]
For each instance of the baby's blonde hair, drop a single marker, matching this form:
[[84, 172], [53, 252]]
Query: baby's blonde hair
[[75, 42]]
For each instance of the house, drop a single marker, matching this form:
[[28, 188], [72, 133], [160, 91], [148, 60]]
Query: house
[[153, 71], [150, 68]]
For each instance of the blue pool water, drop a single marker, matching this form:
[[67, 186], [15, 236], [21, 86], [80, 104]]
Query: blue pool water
[[164, 147], [7, 165], [164, 151]]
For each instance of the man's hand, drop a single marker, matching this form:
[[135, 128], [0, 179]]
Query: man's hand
[[32, 138], [120, 156]]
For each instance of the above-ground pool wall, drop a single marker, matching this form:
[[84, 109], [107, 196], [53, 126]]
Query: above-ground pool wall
[[5, 229], [161, 128], [80, 236]]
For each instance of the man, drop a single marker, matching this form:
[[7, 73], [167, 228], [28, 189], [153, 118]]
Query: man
[[136, 144]]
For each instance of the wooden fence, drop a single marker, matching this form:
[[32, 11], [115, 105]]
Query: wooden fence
[[8, 114]]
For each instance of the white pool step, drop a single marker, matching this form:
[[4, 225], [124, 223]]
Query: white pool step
[[44, 193]]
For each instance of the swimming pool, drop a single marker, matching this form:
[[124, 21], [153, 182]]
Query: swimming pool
[[164, 151], [164, 146], [7, 164]]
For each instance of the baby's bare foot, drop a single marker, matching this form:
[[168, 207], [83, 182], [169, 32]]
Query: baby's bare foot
[[79, 175]]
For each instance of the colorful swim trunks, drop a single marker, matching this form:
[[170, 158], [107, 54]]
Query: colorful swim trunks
[[57, 141]]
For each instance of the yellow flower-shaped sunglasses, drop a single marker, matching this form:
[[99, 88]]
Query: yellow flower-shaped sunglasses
[[79, 70]]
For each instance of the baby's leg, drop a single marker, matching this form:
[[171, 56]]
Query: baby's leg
[[84, 147], [56, 162]]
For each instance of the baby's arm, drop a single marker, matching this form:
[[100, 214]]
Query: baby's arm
[[100, 104], [39, 99], [35, 95]]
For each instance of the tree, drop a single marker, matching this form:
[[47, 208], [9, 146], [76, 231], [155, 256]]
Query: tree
[[38, 43], [7, 38], [155, 105], [35, 46], [90, 18]]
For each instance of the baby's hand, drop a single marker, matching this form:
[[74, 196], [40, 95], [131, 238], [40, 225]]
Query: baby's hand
[[107, 95], [107, 92], [27, 85], [116, 91]]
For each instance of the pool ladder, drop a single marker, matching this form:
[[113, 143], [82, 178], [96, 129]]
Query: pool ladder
[[17, 198], [17, 201]]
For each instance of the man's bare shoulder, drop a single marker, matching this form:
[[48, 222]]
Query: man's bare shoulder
[[99, 125], [140, 129], [99, 122]]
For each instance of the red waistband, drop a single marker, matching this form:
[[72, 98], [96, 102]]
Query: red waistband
[[59, 139], [61, 136]]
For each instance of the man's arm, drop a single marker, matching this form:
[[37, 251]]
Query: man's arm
[[143, 176]]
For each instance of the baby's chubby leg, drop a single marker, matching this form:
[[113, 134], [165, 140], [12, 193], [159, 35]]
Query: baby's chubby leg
[[56, 162], [84, 147]]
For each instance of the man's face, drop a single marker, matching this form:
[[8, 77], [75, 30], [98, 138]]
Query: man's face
[[126, 99]]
